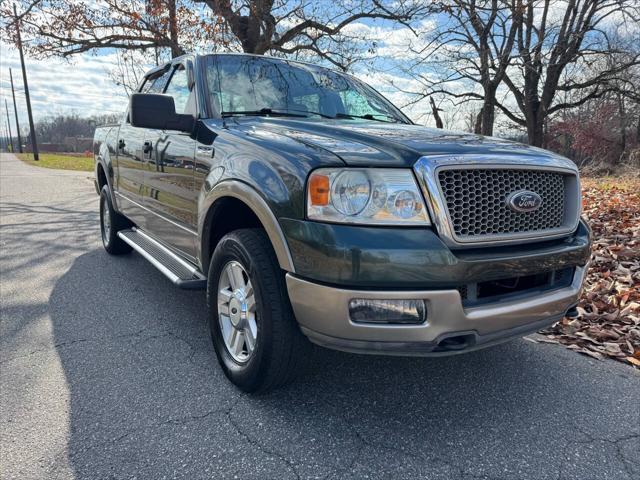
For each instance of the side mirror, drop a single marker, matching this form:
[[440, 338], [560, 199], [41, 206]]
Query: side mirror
[[151, 110]]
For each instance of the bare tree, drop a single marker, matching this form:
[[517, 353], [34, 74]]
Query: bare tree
[[66, 27], [55, 128], [578, 34], [473, 47], [600, 131], [299, 26], [528, 59], [129, 69]]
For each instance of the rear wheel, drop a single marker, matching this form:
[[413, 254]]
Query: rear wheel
[[256, 337], [111, 222]]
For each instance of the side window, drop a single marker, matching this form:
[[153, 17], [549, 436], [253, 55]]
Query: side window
[[146, 85], [155, 84], [178, 88]]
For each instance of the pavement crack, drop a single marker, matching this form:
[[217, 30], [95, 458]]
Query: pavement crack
[[191, 418], [616, 442], [365, 442], [137, 334], [171, 421], [249, 439]]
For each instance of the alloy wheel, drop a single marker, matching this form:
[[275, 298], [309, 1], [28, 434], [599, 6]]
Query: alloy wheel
[[106, 223], [237, 312]]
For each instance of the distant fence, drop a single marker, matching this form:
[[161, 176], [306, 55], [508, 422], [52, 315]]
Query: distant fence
[[48, 147], [70, 144]]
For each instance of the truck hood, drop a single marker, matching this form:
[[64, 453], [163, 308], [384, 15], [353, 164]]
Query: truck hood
[[371, 143]]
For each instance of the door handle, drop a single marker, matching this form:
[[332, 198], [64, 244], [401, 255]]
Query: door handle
[[121, 144], [147, 147], [205, 150]]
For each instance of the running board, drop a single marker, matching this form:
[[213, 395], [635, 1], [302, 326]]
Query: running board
[[179, 271]]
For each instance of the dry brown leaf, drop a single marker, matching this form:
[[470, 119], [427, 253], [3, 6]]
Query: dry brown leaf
[[609, 311], [633, 361]]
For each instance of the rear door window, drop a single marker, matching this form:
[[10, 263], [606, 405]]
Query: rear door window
[[155, 84], [178, 88]]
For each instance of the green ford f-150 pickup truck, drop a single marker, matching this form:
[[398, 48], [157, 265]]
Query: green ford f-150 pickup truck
[[312, 209]]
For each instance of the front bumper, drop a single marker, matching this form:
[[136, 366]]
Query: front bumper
[[390, 258], [323, 314]]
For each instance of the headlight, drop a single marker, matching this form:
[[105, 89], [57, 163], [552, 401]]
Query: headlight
[[365, 195]]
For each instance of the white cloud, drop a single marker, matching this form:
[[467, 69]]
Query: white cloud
[[81, 85], [392, 40]]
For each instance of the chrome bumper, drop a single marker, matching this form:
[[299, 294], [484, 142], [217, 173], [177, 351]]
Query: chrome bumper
[[323, 315]]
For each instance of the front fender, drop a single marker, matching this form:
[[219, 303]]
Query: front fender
[[103, 160], [103, 151], [251, 197]]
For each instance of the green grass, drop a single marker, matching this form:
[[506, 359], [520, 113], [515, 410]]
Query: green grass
[[59, 161]]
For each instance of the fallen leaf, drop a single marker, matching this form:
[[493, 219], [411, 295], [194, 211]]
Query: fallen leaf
[[608, 321], [633, 361]]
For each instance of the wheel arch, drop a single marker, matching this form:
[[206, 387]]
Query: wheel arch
[[104, 148], [101, 176], [103, 170], [239, 206]]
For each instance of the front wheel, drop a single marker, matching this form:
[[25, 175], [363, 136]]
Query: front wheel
[[111, 222], [256, 337]]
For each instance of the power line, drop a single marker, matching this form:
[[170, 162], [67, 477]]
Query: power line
[[20, 92]]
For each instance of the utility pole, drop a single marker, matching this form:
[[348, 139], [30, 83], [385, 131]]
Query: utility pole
[[3, 138], [6, 109], [34, 144], [15, 110]]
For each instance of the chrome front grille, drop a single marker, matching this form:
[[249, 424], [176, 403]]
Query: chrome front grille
[[476, 201], [467, 197]]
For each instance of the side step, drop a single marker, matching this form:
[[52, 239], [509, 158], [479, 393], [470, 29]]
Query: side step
[[179, 271]]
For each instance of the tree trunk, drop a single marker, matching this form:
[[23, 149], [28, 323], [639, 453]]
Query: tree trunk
[[478, 126], [535, 116], [176, 50], [251, 28], [622, 114], [535, 130], [488, 111], [436, 113], [488, 117]]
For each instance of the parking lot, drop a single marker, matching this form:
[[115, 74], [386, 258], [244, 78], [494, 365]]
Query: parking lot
[[107, 371]]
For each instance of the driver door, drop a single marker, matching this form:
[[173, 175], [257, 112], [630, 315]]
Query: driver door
[[170, 193]]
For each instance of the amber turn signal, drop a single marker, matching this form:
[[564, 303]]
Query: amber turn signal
[[319, 190]]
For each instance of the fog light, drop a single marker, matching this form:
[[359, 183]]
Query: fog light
[[387, 311]]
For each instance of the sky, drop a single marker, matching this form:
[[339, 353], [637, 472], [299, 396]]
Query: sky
[[82, 84]]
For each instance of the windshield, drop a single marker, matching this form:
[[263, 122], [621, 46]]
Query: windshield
[[252, 85]]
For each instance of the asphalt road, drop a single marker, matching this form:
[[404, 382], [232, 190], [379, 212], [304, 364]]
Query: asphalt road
[[107, 371]]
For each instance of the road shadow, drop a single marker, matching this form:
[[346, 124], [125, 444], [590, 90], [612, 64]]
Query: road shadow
[[36, 238], [46, 229], [147, 399]]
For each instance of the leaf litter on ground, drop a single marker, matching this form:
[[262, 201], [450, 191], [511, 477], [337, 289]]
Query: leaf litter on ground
[[608, 321]]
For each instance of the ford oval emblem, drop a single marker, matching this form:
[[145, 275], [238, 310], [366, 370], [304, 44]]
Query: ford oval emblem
[[524, 201]]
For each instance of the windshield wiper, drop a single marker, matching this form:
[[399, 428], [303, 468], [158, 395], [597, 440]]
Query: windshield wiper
[[280, 113], [308, 112], [367, 116], [262, 111]]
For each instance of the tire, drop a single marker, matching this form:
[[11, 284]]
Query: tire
[[280, 351], [111, 222]]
